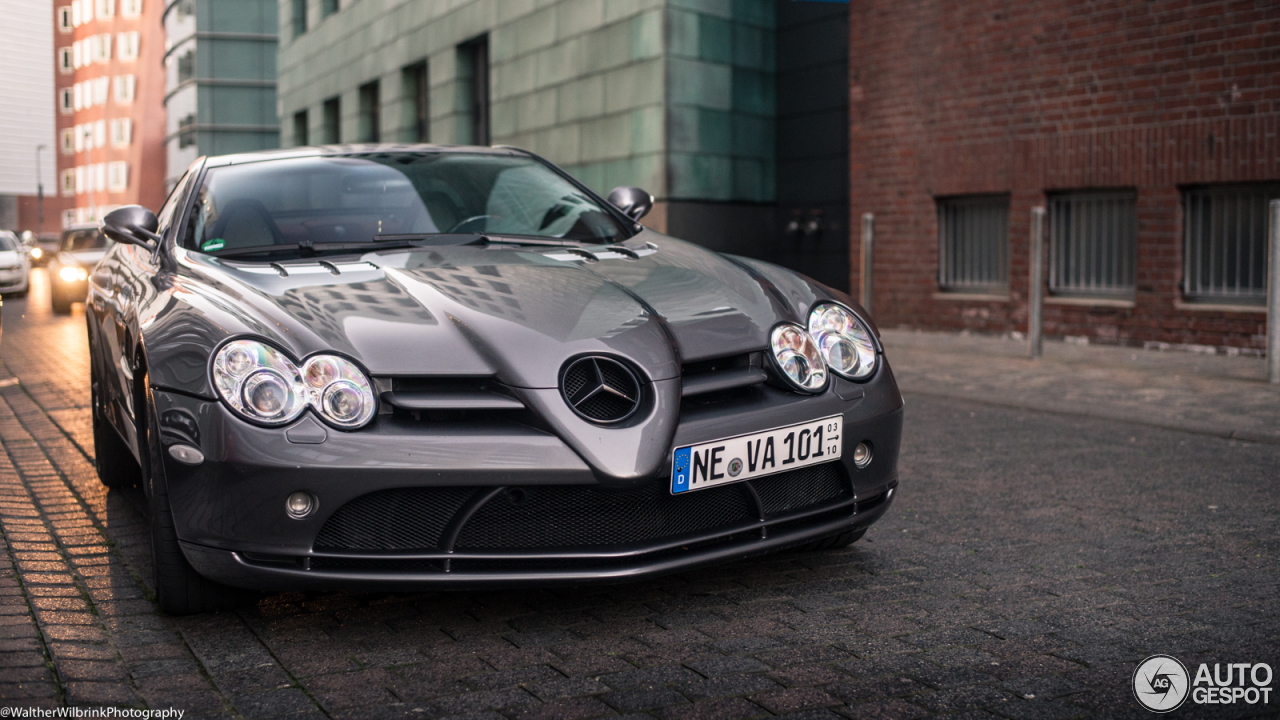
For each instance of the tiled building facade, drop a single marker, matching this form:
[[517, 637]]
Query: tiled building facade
[[109, 102], [1150, 131], [676, 96], [220, 79]]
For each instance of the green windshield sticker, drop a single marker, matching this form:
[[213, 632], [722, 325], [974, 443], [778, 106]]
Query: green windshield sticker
[[214, 244]]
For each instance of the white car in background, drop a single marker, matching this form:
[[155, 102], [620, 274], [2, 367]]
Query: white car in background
[[15, 266]]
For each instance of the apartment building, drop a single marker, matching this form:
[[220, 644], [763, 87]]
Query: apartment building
[[109, 105]]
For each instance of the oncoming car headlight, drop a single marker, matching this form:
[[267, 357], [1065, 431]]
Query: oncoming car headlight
[[263, 385], [797, 358], [70, 273], [843, 339]]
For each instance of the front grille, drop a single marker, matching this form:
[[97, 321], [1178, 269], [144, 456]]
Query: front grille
[[801, 488], [568, 516], [401, 519]]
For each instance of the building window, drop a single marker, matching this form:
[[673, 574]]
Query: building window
[[126, 85], [131, 8], [121, 132], [100, 133], [86, 11], [187, 131], [66, 102], [99, 176], [68, 217], [328, 7], [187, 65], [67, 140], [77, 54], [128, 42], [117, 176], [101, 88], [301, 131], [332, 116], [106, 8], [1225, 250], [473, 87], [416, 104], [299, 17], [64, 19], [973, 243], [1092, 243], [68, 182], [370, 114], [66, 59], [78, 89]]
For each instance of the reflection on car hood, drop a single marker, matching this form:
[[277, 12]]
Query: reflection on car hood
[[84, 258], [517, 313]]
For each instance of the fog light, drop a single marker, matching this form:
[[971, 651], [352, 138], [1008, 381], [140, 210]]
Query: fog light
[[862, 455], [300, 505]]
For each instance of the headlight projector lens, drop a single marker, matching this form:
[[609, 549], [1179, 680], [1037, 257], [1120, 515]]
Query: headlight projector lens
[[798, 358], [845, 341]]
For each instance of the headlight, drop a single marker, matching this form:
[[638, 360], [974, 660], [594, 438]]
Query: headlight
[[36, 253], [339, 391], [845, 342], [69, 273], [259, 382], [263, 385], [797, 358]]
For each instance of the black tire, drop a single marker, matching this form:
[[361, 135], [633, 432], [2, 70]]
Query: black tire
[[180, 590], [115, 464], [834, 542], [61, 305]]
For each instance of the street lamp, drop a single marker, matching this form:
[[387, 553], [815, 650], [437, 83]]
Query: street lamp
[[39, 191]]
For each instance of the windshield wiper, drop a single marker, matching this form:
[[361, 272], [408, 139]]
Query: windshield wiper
[[385, 242]]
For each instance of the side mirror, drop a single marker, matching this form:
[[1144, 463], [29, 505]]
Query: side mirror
[[132, 224], [632, 201]]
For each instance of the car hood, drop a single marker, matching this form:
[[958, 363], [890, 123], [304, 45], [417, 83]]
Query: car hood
[[9, 258], [515, 313]]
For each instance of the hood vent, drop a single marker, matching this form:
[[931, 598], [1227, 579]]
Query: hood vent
[[417, 395]]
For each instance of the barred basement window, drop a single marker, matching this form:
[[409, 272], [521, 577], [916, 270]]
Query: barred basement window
[[1093, 243], [973, 243], [1225, 254]]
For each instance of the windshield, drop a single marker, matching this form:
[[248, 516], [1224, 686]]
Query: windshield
[[88, 239], [7, 242], [363, 198]]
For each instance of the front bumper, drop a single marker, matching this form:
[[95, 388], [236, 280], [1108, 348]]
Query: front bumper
[[230, 513]]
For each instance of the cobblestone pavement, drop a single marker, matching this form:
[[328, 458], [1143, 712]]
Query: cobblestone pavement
[[1031, 560]]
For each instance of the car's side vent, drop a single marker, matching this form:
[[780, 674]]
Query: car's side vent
[[720, 376], [432, 397]]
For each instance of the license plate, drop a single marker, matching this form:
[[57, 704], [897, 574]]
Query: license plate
[[697, 467]]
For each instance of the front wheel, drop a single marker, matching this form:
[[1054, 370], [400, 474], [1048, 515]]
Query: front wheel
[[180, 590], [111, 457]]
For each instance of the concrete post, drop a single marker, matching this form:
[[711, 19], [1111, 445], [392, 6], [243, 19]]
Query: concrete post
[[1035, 298], [868, 254], [1273, 294]]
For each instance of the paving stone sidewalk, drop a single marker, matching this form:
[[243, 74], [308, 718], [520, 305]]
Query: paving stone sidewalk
[[1031, 561], [1222, 395]]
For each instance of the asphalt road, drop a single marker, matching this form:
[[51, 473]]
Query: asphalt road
[[1029, 563]]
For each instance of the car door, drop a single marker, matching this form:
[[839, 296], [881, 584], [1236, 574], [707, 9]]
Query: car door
[[130, 287]]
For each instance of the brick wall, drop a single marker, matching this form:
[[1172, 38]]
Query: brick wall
[[999, 96]]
